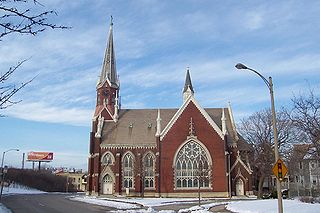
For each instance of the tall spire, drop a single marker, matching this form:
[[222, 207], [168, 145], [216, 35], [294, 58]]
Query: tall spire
[[188, 89], [109, 72]]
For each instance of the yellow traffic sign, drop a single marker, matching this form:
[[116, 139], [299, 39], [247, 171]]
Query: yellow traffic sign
[[280, 170]]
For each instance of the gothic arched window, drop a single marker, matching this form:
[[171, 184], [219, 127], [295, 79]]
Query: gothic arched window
[[149, 167], [127, 165], [192, 166], [107, 159]]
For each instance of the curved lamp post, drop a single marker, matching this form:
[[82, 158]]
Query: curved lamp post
[[3, 171], [275, 132]]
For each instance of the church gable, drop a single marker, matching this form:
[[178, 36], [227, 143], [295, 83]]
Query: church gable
[[191, 101]]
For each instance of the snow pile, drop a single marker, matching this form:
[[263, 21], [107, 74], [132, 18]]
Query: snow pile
[[105, 202], [271, 206], [20, 189], [152, 202], [149, 210], [198, 209]]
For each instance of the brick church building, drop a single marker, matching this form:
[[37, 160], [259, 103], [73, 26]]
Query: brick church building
[[163, 152]]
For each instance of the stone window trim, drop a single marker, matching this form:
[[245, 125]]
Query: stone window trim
[[187, 179], [149, 170], [128, 170], [107, 158]]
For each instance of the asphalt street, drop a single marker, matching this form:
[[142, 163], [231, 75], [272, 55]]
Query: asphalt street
[[52, 203], [49, 203]]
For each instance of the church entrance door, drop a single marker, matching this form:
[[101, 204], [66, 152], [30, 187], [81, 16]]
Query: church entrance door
[[239, 187], [107, 187]]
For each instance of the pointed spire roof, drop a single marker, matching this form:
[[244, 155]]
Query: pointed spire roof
[[109, 71], [188, 83]]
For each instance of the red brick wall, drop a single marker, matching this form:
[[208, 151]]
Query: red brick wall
[[177, 135]]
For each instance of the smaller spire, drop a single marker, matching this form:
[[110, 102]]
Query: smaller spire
[[232, 122], [188, 89], [188, 83], [158, 124], [116, 108], [223, 123]]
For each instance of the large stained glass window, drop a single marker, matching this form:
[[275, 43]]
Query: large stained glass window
[[192, 166]]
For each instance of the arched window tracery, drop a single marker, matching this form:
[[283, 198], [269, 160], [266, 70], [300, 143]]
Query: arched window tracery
[[107, 159], [192, 166], [149, 169], [128, 172]]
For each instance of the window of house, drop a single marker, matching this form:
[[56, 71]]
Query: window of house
[[149, 167], [300, 165], [191, 166], [301, 179], [314, 179], [128, 181], [312, 165]]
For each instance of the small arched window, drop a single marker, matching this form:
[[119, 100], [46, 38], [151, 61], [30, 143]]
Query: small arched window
[[107, 159], [128, 180], [149, 167]]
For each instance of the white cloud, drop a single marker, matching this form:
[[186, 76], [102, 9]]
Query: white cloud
[[43, 112]]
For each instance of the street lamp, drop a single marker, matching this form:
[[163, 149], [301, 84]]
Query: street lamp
[[4, 170], [275, 132]]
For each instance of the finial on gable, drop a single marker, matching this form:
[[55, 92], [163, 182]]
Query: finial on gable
[[192, 131]]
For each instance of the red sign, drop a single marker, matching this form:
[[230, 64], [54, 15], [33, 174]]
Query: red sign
[[40, 156]]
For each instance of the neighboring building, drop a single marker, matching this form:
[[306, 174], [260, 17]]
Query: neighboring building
[[304, 171], [163, 152], [77, 179]]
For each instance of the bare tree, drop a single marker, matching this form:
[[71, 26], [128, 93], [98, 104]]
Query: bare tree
[[257, 130], [305, 116], [17, 17], [202, 175], [20, 17]]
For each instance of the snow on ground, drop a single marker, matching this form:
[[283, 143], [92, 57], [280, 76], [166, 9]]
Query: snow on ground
[[271, 206], [151, 202], [3, 209], [145, 205], [19, 189], [103, 202]]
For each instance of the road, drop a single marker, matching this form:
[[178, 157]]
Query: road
[[52, 203], [49, 203]]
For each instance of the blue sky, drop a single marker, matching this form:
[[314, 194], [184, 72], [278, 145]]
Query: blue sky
[[154, 41]]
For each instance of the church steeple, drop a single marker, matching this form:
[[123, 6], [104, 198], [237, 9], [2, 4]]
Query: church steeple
[[108, 84], [109, 72], [188, 89]]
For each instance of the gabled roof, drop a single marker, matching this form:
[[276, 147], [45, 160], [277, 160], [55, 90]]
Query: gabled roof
[[239, 161], [134, 128], [182, 108]]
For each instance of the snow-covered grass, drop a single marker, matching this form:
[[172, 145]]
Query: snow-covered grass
[[19, 189], [146, 205], [104, 202], [271, 206]]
